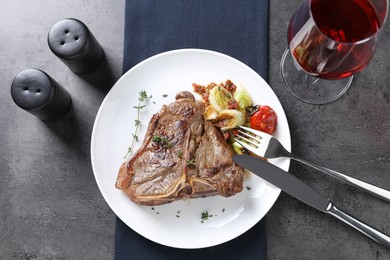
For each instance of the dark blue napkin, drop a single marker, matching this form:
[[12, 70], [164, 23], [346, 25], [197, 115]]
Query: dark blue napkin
[[238, 28]]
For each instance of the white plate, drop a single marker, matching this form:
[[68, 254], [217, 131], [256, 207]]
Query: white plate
[[178, 224]]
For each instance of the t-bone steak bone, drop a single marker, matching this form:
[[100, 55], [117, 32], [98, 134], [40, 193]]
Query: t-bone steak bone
[[195, 161]]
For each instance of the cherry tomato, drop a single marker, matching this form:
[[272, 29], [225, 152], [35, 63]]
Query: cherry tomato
[[264, 119]]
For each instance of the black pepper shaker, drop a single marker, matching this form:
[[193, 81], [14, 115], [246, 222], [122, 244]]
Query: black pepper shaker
[[36, 92], [73, 43]]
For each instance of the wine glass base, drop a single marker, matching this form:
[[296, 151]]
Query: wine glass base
[[308, 88]]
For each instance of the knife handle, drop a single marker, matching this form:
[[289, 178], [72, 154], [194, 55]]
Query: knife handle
[[362, 227]]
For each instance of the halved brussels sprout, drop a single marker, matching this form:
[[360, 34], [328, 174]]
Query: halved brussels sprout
[[242, 96], [219, 97], [237, 148], [229, 118], [210, 112]]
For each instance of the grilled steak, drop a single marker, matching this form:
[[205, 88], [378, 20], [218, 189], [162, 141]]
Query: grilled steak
[[182, 156]]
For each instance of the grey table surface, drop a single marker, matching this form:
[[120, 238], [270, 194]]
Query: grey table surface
[[51, 207]]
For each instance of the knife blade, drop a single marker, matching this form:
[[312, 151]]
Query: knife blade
[[305, 193], [286, 182]]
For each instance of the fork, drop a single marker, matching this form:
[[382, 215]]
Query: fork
[[269, 147]]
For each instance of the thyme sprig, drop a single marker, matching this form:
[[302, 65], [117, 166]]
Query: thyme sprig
[[143, 97], [164, 142], [179, 154]]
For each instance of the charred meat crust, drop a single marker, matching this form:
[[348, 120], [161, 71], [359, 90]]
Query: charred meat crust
[[198, 164]]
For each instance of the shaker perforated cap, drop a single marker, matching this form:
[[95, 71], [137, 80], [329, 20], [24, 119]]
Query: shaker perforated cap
[[68, 38], [31, 89], [37, 93], [74, 44]]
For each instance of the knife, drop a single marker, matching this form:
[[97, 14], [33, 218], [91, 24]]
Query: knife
[[303, 192]]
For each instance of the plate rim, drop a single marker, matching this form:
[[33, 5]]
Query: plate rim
[[105, 195]]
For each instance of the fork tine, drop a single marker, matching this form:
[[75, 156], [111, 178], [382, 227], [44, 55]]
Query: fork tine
[[256, 132], [246, 146], [247, 140], [265, 138], [257, 138]]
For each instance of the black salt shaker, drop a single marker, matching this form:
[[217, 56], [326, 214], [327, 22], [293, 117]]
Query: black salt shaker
[[73, 43], [36, 92]]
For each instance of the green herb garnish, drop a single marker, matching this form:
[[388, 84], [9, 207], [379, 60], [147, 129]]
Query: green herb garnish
[[164, 142], [143, 97], [204, 216], [189, 162]]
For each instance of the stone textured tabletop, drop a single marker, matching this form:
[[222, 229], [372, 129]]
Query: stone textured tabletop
[[50, 205]]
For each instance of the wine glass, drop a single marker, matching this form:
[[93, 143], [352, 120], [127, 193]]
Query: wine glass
[[329, 41]]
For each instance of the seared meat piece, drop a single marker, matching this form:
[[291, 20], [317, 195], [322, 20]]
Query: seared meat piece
[[182, 156], [215, 165]]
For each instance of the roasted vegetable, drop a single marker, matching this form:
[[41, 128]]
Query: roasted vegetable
[[229, 118], [210, 112], [238, 148], [220, 98], [242, 96], [264, 119]]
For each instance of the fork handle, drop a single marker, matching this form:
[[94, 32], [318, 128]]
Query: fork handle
[[382, 193]]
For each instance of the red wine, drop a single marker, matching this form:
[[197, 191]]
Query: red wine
[[338, 41]]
